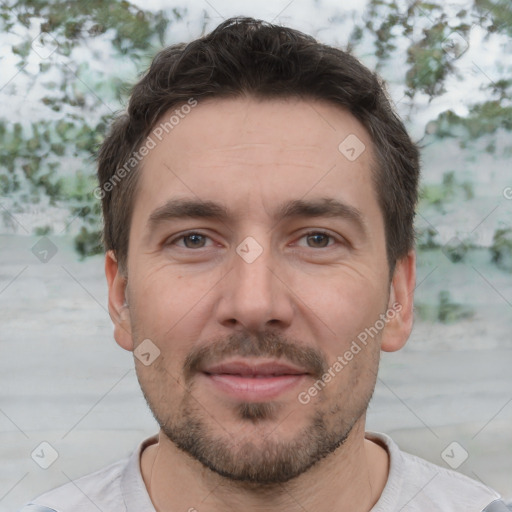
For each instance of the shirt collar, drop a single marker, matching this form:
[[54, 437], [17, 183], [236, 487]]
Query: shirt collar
[[134, 492], [136, 496]]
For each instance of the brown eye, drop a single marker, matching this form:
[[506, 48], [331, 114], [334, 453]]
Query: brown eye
[[318, 240], [196, 240], [191, 240]]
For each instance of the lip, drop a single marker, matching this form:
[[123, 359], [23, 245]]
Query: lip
[[253, 381], [254, 369]]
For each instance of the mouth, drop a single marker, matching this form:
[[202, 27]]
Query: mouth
[[254, 381]]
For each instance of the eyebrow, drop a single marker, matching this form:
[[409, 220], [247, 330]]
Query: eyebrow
[[297, 208]]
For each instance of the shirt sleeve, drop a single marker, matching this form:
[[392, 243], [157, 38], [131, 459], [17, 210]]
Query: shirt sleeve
[[497, 506]]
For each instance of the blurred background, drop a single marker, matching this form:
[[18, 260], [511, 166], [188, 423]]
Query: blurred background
[[67, 67]]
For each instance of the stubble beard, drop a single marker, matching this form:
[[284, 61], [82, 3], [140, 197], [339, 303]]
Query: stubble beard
[[255, 460]]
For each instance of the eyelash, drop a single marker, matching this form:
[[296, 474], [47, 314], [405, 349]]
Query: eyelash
[[309, 233]]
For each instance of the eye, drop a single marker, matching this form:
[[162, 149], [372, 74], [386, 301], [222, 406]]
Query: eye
[[318, 239], [191, 240]]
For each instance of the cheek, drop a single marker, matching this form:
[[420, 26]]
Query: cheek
[[166, 306], [346, 304]]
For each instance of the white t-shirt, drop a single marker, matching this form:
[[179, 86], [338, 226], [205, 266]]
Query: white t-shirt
[[413, 485]]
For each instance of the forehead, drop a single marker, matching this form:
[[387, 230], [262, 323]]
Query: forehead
[[287, 124], [250, 154]]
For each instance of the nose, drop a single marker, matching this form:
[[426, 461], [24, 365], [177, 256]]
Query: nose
[[254, 293]]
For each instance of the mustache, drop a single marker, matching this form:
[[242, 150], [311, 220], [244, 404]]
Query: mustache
[[268, 344]]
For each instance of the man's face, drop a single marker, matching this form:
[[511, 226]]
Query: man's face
[[250, 309]]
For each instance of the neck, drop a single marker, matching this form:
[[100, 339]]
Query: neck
[[350, 479]]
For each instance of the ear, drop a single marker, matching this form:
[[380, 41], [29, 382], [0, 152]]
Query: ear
[[117, 306], [400, 305]]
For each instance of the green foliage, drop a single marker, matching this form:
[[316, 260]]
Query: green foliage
[[432, 39], [484, 118], [496, 15], [449, 311], [43, 230], [456, 251], [32, 155], [73, 21], [52, 155], [501, 249], [445, 310], [88, 243], [426, 238], [437, 195], [429, 63]]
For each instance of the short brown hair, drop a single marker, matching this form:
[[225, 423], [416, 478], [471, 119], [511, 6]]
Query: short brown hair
[[244, 56]]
